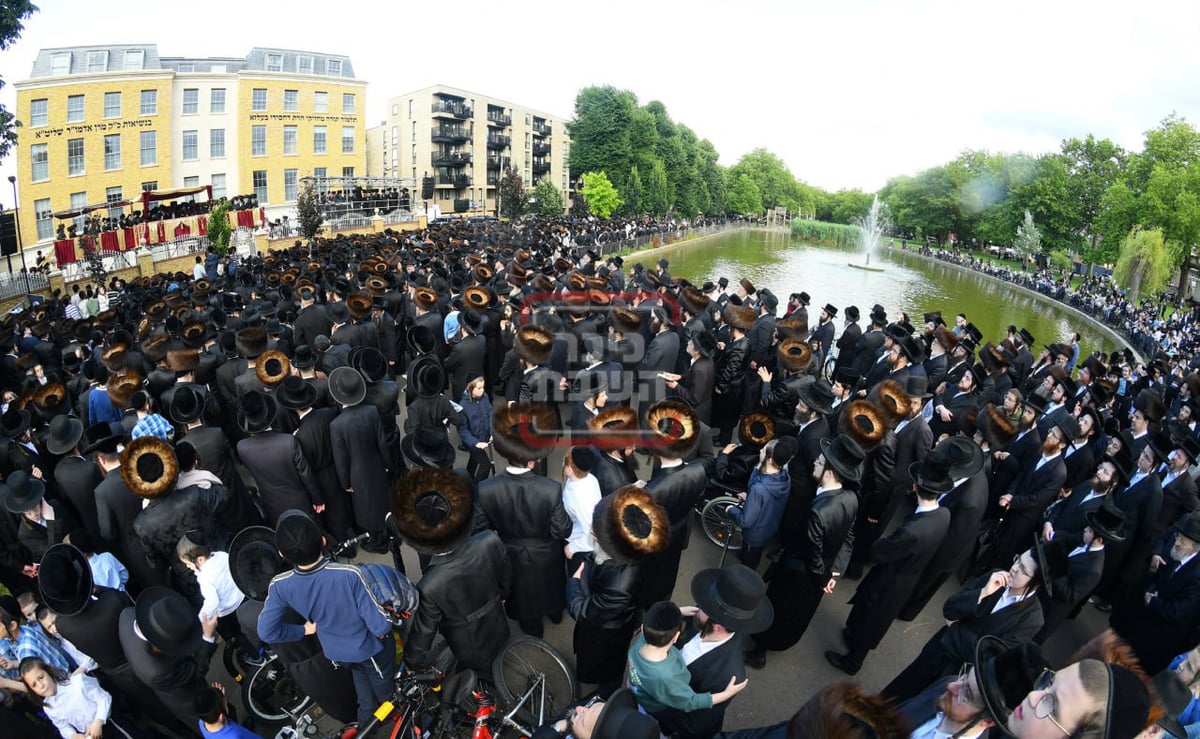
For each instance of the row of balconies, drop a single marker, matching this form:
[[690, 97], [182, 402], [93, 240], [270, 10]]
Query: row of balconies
[[456, 108]]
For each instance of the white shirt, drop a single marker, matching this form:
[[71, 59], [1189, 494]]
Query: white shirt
[[697, 648], [580, 498], [220, 592], [1046, 459], [78, 703], [198, 272], [1008, 599], [1185, 561], [1083, 549], [929, 729]]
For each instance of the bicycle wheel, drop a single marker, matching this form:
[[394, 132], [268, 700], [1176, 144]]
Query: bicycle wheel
[[272, 695], [717, 524], [234, 659], [528, 662]]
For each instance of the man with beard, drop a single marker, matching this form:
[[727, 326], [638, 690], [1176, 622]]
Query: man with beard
[[1079, 455], [960, 397], [814, 404], [1070, 514], [1125, 565], [810, 564], [1035, 490], [847, 343], [1062, 596], [824, 332], [1179, 489]]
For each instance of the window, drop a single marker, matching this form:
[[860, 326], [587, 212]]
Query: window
[[187, 67], [258, 141], [218, 185], [149, 102], [148, 143], [274, 62], [75, 156], [97, 61], [150, 186], [191, 101], [112, 152], [193, 181], [217, 68], [113, 195], [395, 109], [348, 102], [320, 102], [289, 140], [216, 100], [74, 108], [258, 99], [318, 139], [60, 63], [39, 112], [216, 143], [112, 105], [290, 178], [134, 59], [304, 64], [347, 171], [45, 225], [291, 100], [79, 200], [410, 109], [191, 146], [333, 67], [347, 139], [260, 185]]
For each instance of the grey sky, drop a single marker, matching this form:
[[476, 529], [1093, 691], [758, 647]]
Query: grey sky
[[848, 93]]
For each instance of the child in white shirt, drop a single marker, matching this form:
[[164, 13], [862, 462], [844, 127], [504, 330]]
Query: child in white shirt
[[217, 588]]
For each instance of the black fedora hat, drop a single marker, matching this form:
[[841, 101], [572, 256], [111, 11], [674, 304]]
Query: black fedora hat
[[620, 719], [370, 362], [844, 455], [295, 393], [63, 434], [14, 422], [427, 377], [831, 310], [168, 621], [347, 386], [420, 339], [818, 396], [187, 404], [705, 343], [1006, 675], [1052, 562], [1187, 525], [254, 560], [734, 597], [432, 509], [256, 412], [65, 579], [428, 446], [304, 357], [22, 492], [102, 437], [932, 473], [966, 458]]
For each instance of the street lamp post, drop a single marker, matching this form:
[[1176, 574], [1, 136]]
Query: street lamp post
[[12, 180]]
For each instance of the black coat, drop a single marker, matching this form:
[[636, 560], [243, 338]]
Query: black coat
[[1165, 627], [461, 596], [732, 365], [527, 512], [213, 451], [77, 479], [973, 619], [465, 360], [117, 510], [312, 322], [800, 471], [284, 479], [1179, 497], [709, 673], [899, 560], [1083, 574], [1036, 490], [165, 520], [848, 345], [676, 489], [360, 454], [314, 438], [1081, 465], [95, 630], [176, 680], [696, 387], [1068, 515], [611, 473]]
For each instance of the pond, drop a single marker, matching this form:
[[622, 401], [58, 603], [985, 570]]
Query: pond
[[908, 283]]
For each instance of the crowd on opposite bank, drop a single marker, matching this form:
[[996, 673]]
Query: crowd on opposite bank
[[1153, 326], [1041, 482]]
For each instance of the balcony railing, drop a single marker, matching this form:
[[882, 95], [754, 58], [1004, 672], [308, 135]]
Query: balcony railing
[[457, 181], [497, 162], [541, 166], [451, 159], [540, 148], [456, 109], [499, 119], [462, 205], [542, 129], [498, 142], [493, 180], [451, 135]]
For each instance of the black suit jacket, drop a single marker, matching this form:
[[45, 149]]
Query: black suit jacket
[[973, 618], [284, 478], [1179, 497], [213, 450], [696, 387], [312, 322], [465, 360], [710, 673], [610, 473], [176, 680], [1067, 515], [1165, 626], [1064, 593], [77, 479]]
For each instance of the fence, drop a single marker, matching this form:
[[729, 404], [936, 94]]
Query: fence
[[12, 285], [611, 243]]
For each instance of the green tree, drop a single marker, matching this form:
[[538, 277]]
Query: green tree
[[601, 131], [219, 231], [12, 15], [632, 193], [1029, 237], [547, 200], [308, 212], [1093, 166], [656, 197], [601, 196], [512, 194], [743, 197], [776, 184], [1143, 264]]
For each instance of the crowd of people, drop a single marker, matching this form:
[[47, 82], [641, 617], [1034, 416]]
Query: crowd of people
[[360, 200], [532, 422], [97, 223]]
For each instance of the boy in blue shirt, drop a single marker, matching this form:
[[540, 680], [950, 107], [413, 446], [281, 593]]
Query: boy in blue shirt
[[214, 716]]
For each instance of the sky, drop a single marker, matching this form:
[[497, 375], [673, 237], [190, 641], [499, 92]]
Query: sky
[[849, 93]]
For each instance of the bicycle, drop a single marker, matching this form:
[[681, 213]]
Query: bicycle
[[717, 524]]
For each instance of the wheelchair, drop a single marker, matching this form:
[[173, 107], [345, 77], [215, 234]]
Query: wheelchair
[[717, 524]]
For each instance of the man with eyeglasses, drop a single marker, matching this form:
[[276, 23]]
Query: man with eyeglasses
[[1087, 699], [981, 696]]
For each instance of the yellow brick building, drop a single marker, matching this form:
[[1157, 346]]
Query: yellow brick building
[[102, 123]]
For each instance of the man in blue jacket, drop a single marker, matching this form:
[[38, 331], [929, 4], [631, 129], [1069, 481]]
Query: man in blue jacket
[[336, 604]]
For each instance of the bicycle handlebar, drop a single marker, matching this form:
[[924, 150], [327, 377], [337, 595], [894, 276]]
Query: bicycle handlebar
[[341, 547]]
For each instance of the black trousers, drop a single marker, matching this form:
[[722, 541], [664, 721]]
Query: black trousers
[[932, 663]]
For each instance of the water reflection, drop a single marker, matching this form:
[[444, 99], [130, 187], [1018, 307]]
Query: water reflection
[[909, 283]]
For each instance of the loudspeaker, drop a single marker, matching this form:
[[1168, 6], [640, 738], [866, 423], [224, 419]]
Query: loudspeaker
[[426, 188], [8, 233]]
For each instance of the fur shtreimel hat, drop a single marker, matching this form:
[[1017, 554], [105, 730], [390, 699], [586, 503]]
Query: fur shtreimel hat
[[432, 509], [629, 525], [524, 432]]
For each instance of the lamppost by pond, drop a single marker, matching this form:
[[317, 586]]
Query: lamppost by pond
[[12, 180]]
